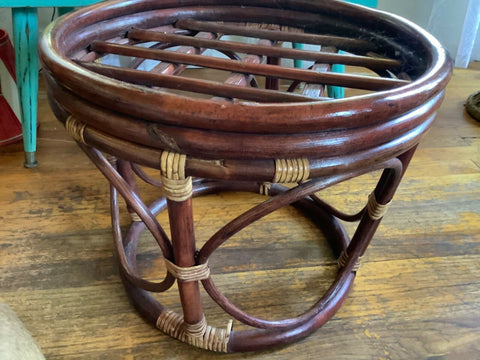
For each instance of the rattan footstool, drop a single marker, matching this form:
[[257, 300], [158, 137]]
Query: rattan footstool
[[266, 124]]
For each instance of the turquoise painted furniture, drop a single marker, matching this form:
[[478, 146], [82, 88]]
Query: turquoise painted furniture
[[370, 3], [25, 38], [335, 91], [339, 92]]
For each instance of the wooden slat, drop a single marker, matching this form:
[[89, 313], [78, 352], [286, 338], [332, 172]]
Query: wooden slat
[[84, 55], [316, 89], [327, 58], [196, 85], [242, 79], [342, 43], [346, 80], [175, 69]]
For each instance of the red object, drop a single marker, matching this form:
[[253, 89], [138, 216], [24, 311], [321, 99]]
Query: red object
[[10, 126]]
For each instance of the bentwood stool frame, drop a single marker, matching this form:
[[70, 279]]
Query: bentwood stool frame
[[240, 136]]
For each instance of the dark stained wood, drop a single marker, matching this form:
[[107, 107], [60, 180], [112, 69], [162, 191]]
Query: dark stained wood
[[169, 109], [343, 43], [195, 85], [368, 62], [171, 69], [390, 141], [341, 79], [184, 247]]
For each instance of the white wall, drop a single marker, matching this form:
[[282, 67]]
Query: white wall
[[416, 11], [442, 18], [5, 20], [476, 49]]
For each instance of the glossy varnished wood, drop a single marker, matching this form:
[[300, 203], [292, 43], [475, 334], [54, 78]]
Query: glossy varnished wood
[[401, 110], [416, 296]]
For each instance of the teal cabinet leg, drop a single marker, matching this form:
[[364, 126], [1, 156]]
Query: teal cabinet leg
[[297, 63], [25, 34], [339, 92], [371, 3], [336, 92], [64, 10]]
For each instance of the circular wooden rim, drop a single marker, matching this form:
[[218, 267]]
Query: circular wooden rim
[[244, 130]]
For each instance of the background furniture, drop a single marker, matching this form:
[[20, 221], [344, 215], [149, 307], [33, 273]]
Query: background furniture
[[25, 38], [336, 91]]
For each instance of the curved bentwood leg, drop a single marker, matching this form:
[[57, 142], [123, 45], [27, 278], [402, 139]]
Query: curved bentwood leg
[[190, 267]]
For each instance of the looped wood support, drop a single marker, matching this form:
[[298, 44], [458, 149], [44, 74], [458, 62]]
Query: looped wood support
[[200, 335], [375, 210], [291, 170], [175, 186], [76, 129], [188, 274]]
